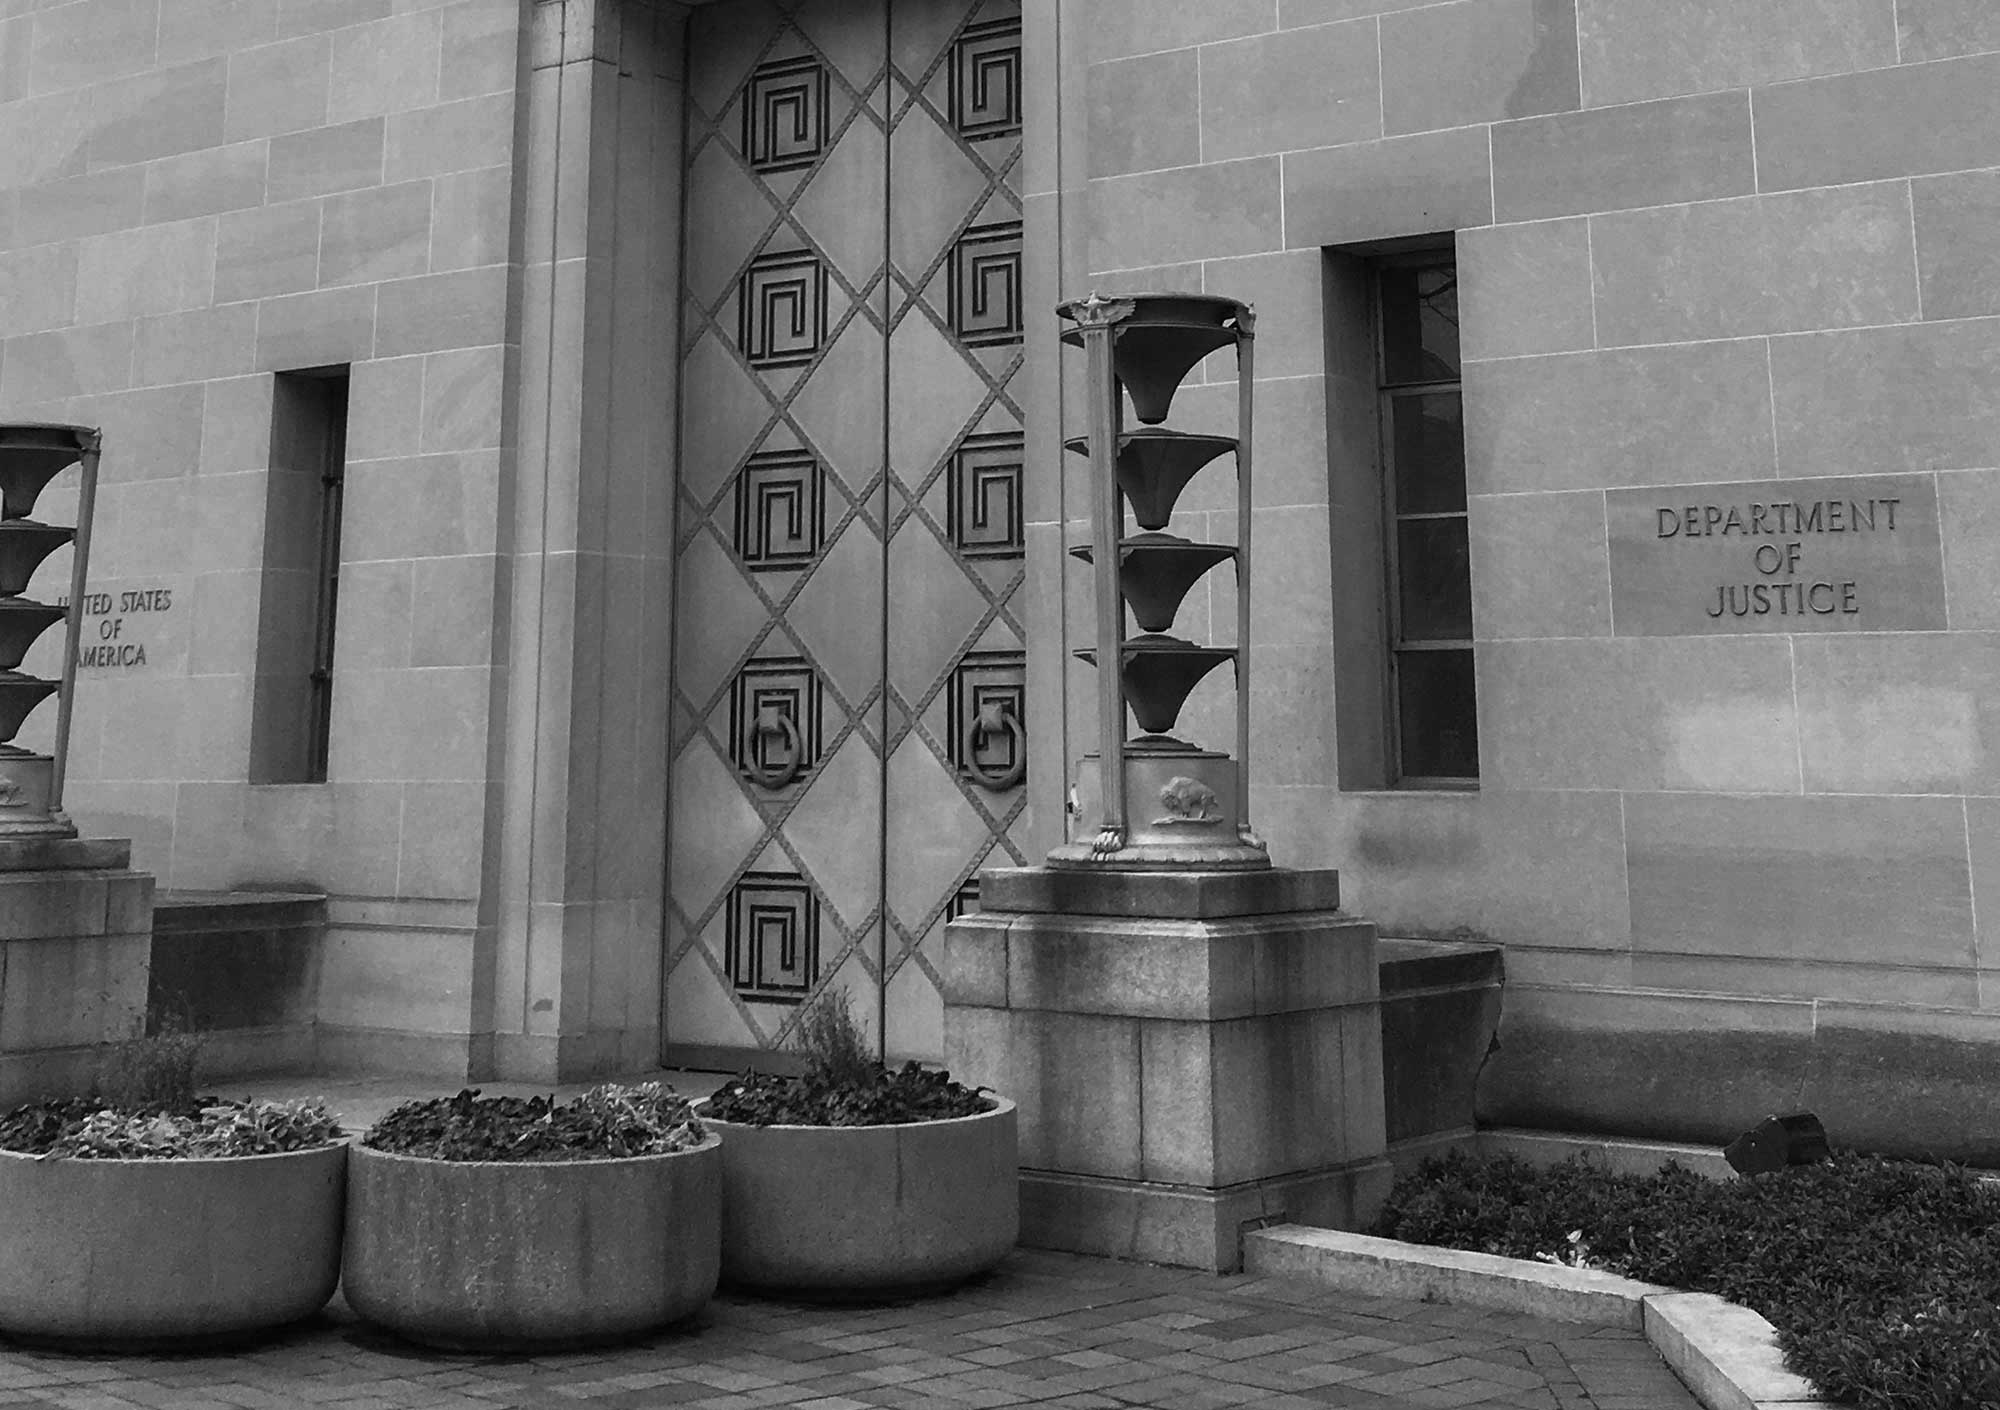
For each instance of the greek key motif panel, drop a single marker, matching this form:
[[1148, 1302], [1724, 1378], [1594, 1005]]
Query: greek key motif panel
[[986, 285], [785, 115], [983, 496], [988, 718], [781, 309], [850, 513], [773, 937], [774, 720], [780, 510], [986, 80]]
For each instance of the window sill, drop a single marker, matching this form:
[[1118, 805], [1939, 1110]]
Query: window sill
[[1419, 788]]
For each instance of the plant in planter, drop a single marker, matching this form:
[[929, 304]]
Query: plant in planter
[[852, 1179], [485, 1222], [146, 1216]]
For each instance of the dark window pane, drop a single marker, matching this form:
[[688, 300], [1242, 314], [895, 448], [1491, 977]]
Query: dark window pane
[[1429, 441], [1440, 731], [1434, 580], [1420, 323]]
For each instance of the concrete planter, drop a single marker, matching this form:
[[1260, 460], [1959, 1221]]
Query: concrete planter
[[464, 1254], [843, 1210], [131, 1253]]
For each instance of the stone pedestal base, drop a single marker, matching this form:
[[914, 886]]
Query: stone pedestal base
[[1190, 1053], [1189, 1226], [76, 927], [1181, 814]]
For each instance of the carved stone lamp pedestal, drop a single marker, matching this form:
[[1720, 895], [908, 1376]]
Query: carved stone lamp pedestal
[[1192, 1036], [76, 922]]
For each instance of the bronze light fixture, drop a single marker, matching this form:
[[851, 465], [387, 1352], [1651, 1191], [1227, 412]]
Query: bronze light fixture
[[1165, 804], [31, 455]]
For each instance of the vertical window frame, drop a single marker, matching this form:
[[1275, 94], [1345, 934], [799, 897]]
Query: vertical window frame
[[291, 712], [333, 487], [1388, 392]]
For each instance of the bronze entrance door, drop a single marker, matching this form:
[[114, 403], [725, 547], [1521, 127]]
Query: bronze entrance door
[[847, 735]]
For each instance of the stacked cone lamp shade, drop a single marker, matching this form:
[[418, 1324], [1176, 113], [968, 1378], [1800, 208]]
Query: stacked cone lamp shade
[[1162, 802], [31, 457]]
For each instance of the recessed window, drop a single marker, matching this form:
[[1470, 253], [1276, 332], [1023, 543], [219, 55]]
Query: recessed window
[[291, 719], [1433, 719]]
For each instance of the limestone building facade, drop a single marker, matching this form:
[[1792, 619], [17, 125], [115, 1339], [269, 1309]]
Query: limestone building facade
[[584, 490]]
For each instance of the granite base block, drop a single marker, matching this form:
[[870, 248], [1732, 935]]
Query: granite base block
[[74, 943], [1210, 1060], [1190, 1226]]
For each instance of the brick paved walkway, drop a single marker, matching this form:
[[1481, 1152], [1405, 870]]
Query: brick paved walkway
[[1047, 1329]]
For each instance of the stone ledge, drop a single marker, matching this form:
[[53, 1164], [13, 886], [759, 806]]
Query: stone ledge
[[1727, 1355], [183, 910], [1417, 967], [1390, 1268], [1624, 1155], [1158, 895], [1148, 967], [19, 854]]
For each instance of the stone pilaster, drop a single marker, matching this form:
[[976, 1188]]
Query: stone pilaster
[[577, 912]]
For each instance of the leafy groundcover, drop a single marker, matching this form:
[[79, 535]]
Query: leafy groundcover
[[1881, 1276], [610, 1122], [91, 1128], [877, 1098], [844, 1083]]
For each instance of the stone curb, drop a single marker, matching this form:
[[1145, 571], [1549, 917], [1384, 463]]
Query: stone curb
[[1727, 1355]]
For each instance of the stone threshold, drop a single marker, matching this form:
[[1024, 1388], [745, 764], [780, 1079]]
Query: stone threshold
[[1727, 1355]]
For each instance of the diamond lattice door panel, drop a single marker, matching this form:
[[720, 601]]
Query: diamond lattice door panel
[[955, 684], [850, 510]]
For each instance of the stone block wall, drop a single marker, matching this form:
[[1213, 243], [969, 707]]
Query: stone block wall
[[195, 195], [472, 208], [1699, 242]]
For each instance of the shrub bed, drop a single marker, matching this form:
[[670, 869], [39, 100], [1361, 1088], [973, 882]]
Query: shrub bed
[[1882, 1277], [606, 1123]]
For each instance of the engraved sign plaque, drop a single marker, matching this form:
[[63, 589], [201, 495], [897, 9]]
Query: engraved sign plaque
[[1853, 553]]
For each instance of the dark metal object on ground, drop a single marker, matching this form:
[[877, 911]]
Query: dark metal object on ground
[[1776, 1142]]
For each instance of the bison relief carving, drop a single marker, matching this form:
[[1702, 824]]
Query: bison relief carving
[[1188, 801]]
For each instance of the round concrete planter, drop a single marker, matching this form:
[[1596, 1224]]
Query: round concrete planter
[[868, 1210], [491, 1254], [139, 1253]]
